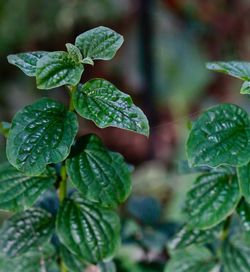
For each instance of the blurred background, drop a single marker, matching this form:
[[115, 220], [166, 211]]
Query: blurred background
[[162, 66]]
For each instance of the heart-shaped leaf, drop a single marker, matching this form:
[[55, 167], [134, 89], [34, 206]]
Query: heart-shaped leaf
[[100, 101], [100, 43], [221, 135], [236, 256], [243, 173], [194, 259], [88, 230], [57, 69], [41, 133], [239, 69], [17, 191], [27, 61], [100, 175], [213, 197], [25, 230]]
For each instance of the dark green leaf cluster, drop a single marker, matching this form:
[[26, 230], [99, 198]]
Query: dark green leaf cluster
[[216, 236], [44, 153]]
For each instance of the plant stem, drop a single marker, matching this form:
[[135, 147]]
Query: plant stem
[[63, 268], [72, 89], [62, 191], [225, 230]]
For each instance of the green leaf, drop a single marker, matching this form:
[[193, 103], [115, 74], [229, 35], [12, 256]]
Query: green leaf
[[27, 61], [214, 196], [236, 256], [243, 211], [41, 133], [245, 88], [39, 259], [243, 173], [100, 43], [71, 261], [74, 52], [186, 237], [221, 135], [57, 69], [100, 101], [25, 230], [194, 259], [238, 69], [17, 191], [100, 175], [88, 230], [4, 128]]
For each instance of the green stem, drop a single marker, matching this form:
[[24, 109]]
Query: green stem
[[63, 268], [62, 191], [72, 89], [225, 230]]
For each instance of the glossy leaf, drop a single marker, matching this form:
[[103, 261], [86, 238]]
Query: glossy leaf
[[88, 230], [100, 101], [100, 175], [239, 69], [57, 69], [41, 133], [194, 259], [25, 230], [74, 52], [243, 211], [27, 61], [213, 197], [17, 191], [4, 128], [186, 237], [243, 173], [71, 261], [100, 43], [245, 88], [38, 259], [221, 135], [236, 256]]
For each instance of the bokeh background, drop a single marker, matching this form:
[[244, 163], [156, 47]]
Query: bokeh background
[[162, 66]]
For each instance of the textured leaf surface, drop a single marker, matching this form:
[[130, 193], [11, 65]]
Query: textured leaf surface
[[243, 211], [186, 237], [87, 230], [17, 191], [74, 52], [236, 257], [239, 69], [99, 43], [100, 101], [36, 260], [58, 69], [27, 61], [41, 133], [243, 173], [245, 88], [213, 197], [194, 259], [221, 135], [71, 261], [100, 175], [25, 230]]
